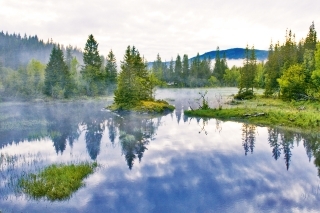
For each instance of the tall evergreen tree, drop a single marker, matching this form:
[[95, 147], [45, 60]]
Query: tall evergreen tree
[[91, 71], [248, 74], [311, 39], [57, 77], [133, 83], [178, 71], [111, 69], [185, 70], [157, 68]]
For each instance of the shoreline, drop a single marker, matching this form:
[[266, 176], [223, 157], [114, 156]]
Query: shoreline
[[296, 115]]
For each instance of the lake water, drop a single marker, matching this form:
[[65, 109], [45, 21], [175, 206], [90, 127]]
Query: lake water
[[169, 163]]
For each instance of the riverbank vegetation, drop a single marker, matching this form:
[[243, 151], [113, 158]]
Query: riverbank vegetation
[[291, 87], [268, 112], [56, 182]]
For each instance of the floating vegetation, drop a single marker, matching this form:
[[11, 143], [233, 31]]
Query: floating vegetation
[[56, 182]]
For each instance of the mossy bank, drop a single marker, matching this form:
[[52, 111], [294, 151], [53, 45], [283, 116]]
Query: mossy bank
[[268, 112], [157, 106]]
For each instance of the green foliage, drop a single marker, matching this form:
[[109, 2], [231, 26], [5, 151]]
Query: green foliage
[[92, 72], [57, 76], [315, 77], [204, 101], [292, 83], [56, 182], [134, 84], [111, 68], [213, 82], [220, 66], [178, 71], [158, 106], [245, 95], [247, 74], [269, 112], [232, 77]]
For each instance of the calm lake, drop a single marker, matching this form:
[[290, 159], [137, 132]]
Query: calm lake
[[169, 163]]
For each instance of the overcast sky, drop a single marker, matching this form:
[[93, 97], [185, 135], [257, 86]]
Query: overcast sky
[[167, 27]]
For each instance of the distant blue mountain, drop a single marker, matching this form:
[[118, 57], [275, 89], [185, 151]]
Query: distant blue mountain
[[234, 53]]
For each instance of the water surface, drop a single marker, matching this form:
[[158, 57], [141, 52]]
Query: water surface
[[169, 163]]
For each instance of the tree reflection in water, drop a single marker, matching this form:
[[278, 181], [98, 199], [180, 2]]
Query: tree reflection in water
[[135, 134], [248, 137]]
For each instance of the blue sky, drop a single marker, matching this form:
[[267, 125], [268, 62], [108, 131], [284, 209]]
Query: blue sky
[[164, 27]]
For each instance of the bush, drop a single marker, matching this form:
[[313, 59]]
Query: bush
[[244, 95]]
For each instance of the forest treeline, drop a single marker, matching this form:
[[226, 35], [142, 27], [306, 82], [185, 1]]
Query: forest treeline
[[17, 50], [62, 77], [292, 71]]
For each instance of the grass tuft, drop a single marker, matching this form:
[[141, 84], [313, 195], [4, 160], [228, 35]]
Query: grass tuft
[[56, 182]]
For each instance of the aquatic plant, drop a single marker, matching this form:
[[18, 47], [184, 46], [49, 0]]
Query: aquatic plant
[[56, 182]]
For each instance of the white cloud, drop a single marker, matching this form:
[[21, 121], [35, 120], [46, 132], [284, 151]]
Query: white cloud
[[165, 27]]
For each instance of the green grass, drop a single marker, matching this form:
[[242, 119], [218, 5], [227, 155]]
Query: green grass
[[157, 106], [56, 182], [297, 115]]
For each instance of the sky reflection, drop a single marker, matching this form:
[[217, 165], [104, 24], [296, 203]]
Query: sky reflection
[[185, 165]]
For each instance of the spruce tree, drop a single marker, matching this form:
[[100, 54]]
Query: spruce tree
[[157, 68], [134, 84], [178, 71], [311, 39], [185, 70], [111, 69], [217, 71], [247, 74], [57, 77], [91, 71]]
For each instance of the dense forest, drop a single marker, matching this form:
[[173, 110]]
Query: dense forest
[[17, 51], [292, 70]]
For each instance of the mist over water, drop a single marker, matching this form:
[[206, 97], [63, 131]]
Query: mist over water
[[169, 163]]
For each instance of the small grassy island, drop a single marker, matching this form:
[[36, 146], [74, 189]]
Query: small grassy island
[[56, 182], [303, 115], [157, 106], [135, 86]]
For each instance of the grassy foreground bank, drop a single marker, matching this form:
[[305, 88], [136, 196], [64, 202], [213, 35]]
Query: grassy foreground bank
[[302, 115]]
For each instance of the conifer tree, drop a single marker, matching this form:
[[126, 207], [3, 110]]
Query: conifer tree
[[171, 72], [157, 68], [178, 70], [134, 84], [185, 70], [91, 71], [311, 39], [57, 77], [111, 69], [247, 74]]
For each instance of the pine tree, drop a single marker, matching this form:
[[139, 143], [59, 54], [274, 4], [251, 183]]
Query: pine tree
[[178, 71], [311, 40], [195, 71], [247, 74], [91, 71], [111, 69], [185, 70], [57, 77], [157, 68], [134, 84], [217, 71]]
